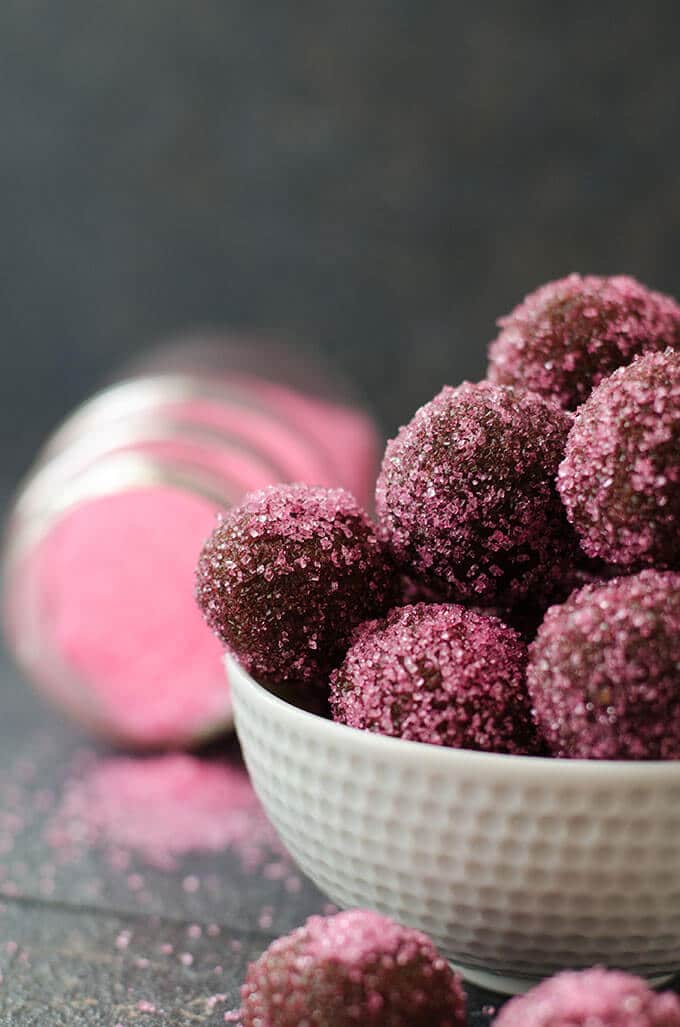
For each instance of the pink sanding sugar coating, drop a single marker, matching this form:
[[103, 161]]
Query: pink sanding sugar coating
[[466, 496], [111, 588], [295, 455], [591, 998], [439, 674], [569, 335], [164, 808], [620, 477], [353, 968], [287, 575], [604, 670]]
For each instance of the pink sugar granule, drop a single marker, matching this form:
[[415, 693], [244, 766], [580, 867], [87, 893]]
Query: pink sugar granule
[[287, 575], [113, 634], [355, 967], [569, 335], [441, 674], [603, 670], [620, 477], [163, 808], [466, 497], [591, 998]]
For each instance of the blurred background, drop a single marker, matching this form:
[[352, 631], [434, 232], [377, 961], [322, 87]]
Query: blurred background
[[379, 181]]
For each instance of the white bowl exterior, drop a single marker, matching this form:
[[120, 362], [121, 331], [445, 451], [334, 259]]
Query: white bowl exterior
[[516, 866]]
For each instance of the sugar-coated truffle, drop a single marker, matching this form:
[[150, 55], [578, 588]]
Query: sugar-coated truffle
[[441, 674], [466, 496], [620, 477], [355, 968], [591, 998], [604, 670], [287, 575], [568, 335]]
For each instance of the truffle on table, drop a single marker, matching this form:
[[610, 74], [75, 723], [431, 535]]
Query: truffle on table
[[569, 335], [287, 575], [441, 674], [355, 968], [620, 477], [466, 497], [591, 998], [603, 673]]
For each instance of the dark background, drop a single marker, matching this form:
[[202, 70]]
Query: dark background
[[376, 180], [380, 180]]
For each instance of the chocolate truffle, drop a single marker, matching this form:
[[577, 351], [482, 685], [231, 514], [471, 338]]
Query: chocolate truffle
[[350, 969], [604, 670], [287, 575], [568, 335], [441, 674], [466, 496], [591, 998], [620, 477]]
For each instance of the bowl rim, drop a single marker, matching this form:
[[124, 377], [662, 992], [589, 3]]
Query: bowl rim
[[448, 760]]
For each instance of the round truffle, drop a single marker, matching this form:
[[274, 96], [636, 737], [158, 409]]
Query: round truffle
[[441, 674], [620, 477], [466, 496], [604, 675], [569, 335], [287, 575], [353, 968], [586, 998]]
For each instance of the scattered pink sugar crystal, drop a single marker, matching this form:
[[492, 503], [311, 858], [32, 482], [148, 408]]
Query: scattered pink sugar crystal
[[466, 497], [441, 674], [164, 808], [603, 670], [620, 477], [605, 998]]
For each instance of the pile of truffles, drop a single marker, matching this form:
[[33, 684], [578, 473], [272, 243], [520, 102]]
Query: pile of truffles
[[519, 590]]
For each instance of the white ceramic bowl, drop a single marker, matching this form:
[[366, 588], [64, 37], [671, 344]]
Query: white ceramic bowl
[[516, 866]]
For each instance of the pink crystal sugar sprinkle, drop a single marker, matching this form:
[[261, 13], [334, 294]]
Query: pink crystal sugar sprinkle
[[164, 808], [603, 670], [287, 575], [122, 645], [592, 998]]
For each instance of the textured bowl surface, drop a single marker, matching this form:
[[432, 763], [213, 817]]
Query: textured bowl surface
[[516, 866]]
